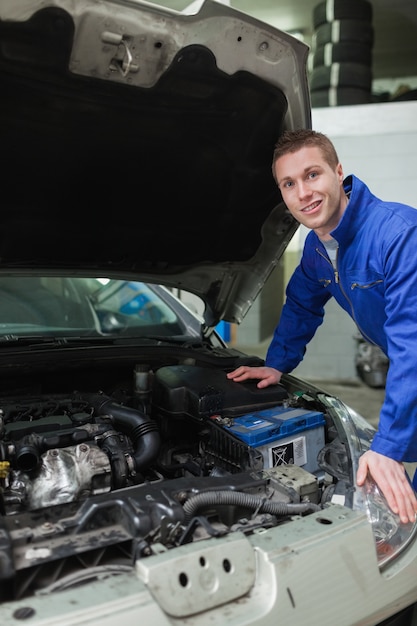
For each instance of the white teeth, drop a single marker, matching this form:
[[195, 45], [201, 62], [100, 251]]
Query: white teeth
[[311, 207]]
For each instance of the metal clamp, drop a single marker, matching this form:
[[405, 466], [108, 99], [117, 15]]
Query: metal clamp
[[123, 60]]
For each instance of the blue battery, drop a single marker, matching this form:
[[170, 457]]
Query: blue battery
[[283, 435]]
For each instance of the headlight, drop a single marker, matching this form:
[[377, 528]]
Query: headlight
[[391, 535]]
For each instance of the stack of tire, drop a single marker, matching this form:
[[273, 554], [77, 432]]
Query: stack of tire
[[341, 57]]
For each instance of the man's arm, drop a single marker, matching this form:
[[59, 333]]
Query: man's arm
[[395, 441]]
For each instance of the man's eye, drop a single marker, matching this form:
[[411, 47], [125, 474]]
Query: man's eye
[[312, 175], [288, 184]]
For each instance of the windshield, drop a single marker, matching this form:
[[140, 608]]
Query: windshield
[[63, 306]]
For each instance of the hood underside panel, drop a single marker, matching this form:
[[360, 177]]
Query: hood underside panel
[[107, 175]]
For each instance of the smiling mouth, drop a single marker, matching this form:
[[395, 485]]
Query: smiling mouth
[[311, 207]]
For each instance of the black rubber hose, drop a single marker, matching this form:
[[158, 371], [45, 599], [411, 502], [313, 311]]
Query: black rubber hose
[[142, 431], [246, 500]]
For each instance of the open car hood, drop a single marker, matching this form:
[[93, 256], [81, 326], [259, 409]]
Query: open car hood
[[137, 142]]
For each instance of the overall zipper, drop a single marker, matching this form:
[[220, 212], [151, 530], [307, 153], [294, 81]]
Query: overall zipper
[[353, 286]]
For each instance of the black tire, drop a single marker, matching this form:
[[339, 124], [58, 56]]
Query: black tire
[[376, 379], [331, 10], [358, 31], [340, 96], [341, 75], [342, 53]]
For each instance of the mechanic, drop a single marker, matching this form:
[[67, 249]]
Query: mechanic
[[362, 251]]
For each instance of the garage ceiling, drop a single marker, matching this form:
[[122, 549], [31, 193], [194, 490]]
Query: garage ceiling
[[394, 23]]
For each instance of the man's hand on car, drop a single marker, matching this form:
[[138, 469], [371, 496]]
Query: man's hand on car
[[266, 375], [391, 478]]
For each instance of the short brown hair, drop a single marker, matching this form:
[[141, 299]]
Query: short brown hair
[[294, 140]]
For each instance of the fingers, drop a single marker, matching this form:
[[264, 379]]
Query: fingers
[[403, 503], [391, 478], [266, 382], [266, 375], [245, 372], [242, 373], [399, 495], [362, 471]]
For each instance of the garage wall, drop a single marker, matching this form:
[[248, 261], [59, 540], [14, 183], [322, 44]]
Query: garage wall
[[377, 143]]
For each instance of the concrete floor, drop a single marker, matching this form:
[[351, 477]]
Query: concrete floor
[[365, 400]]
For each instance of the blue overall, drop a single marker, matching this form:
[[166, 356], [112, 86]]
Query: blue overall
[[376, 284]]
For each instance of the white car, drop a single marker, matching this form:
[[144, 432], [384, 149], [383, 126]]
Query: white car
[[138, 485]]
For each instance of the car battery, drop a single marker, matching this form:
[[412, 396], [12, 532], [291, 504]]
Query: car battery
[[283, 435]]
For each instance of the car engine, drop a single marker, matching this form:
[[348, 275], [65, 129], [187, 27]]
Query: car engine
[[91, 482]]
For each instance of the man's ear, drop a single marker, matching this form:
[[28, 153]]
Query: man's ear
[[339, 171]]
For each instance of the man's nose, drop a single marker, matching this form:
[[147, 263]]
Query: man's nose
[[303, 189]]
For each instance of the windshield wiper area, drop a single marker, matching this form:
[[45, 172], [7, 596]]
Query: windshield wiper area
[[56, 342], [31, 339], [47, 341]]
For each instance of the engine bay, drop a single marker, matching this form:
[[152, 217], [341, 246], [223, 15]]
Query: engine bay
[[93, 481]]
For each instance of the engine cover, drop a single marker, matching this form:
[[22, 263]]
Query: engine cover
[[200, 392]]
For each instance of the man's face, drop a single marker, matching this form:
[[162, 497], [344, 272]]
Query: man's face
[[311, 189]]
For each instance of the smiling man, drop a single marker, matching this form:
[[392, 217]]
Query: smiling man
[[363, 252]]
